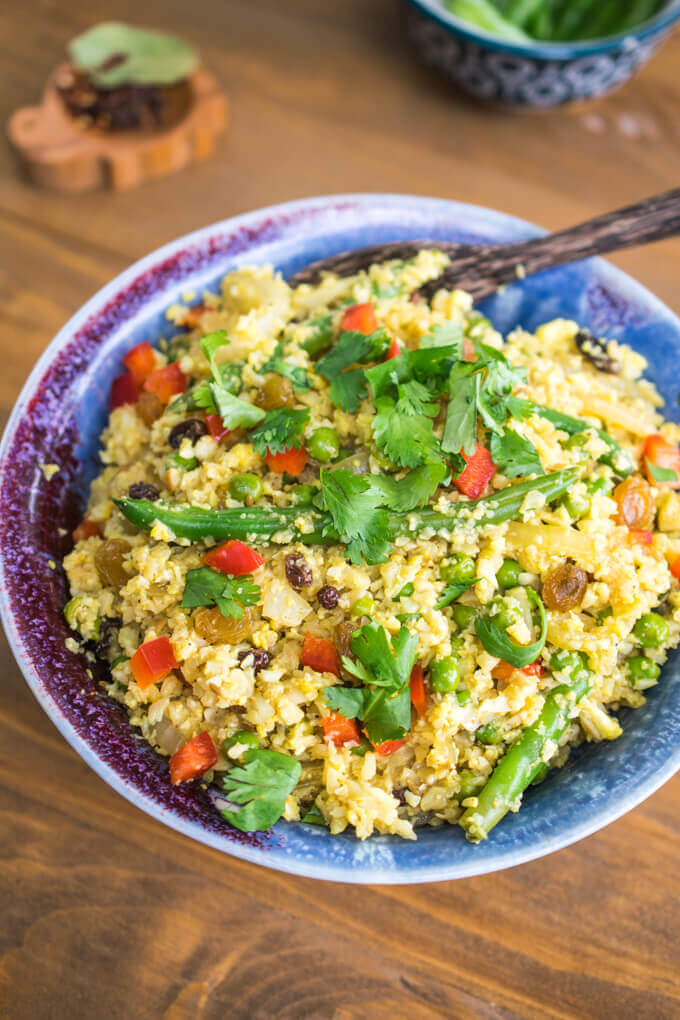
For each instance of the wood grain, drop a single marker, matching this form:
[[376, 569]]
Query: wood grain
[[104, 911]]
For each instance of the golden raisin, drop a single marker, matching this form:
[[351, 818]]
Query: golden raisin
[[343, 636], [149, 408], [636, 503], [215, 628], [108, 560], [275, 392], [564, 587]]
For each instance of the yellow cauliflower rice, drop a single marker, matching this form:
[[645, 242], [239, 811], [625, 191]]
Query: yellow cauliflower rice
[[357, 560]]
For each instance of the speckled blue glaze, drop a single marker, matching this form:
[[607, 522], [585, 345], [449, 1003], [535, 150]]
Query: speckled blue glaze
[[60, 413], [533, 74]]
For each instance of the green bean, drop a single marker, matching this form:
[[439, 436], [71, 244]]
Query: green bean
[[523, 762], [264, 522], [617, 458]]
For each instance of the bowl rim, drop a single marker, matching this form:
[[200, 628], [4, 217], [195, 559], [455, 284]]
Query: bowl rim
[[505, 857], [663, 19]]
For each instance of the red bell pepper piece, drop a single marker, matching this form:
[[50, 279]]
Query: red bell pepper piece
[[290, 462], [140, 361], [503, 670], [339, 731], [394, 350], [166, 382], [193, 760], [661, 454], [87, 529], [534, 669], [418, 692], [478, 471], [389, 747], [152, 661], [675, 567], [216, 427], [234, 557], [123, 391], [640, 537], [469, 353], [319, 654], [360, 318]]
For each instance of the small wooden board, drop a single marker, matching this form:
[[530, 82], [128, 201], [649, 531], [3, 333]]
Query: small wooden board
[[58, 153]]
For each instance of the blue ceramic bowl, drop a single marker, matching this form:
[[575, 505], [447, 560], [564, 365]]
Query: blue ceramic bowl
[[60, 414], [535, 75]]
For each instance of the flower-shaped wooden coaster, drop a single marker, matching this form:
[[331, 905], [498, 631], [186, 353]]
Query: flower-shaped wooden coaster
[[131, 105]]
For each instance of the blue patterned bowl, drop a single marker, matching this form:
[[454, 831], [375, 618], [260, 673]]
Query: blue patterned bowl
[[60, 414], [535, 75]]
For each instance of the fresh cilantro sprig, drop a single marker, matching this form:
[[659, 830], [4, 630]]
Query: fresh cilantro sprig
[[361, 523], [353, 348], [515, 455], [383, 665], [281, 430], [216, 394], [348, 389], [278, 364], [403, 429], [260, 785], [231, 595]]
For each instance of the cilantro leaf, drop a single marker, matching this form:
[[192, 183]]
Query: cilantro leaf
[[414, 489], [460, 427], [519, 407], [453, 591], [352, 347], [387, 715], [358, 520], [403, 428], [348, 389], [389, 663], [261, 785], [321, 336], [661, 474], [515, 455], [348, 701], [294, 373], [235, 413], [206, 587], [210, 344], [445, 335], [281, 430], [314, 816], [224, 380]]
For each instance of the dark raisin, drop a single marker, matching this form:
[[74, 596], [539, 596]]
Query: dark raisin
[[142, 490], [191, 429], [399, 792], [298, 573], [260, 658], [328, 596], [595, 351], [108, 628]]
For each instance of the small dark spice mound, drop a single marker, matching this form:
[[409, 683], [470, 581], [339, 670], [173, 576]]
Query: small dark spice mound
[[298, 573], [143, 490], [192, 428], [125, 108], [260, 657], [328, 596], [595, 351]]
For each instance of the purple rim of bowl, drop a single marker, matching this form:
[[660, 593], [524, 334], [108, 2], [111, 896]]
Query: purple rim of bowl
[[40, 430]]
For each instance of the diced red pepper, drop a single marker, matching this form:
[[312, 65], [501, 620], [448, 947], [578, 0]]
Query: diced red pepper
[[478, 471], [534, 669], [216, 427], [235, 558], [140, 361], [394, 350], [469, 353], [152, 661], [675, 567], [389, 747], [418, 692], [640, 537], [87, 529], [166, 382], [290, 462], [661, 454], [340, 731], [123, 391], [360, 318], [503, 670], [320, 654], [194, 759]]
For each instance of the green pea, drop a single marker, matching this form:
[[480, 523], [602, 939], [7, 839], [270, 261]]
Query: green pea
[[600, 484], [651, 630], [363, 606], [641, 670], [577, 441], [463, 615], [508, 575], [489, 733], [564, 660], [245, 737], [503, 614], [405, 592], [603, 614], [469, 784], [576, 504], [464, 697], [444, 675], [246, 488], [71, 610], [458, 570], [182, 463], [303, 494], [323, 444]]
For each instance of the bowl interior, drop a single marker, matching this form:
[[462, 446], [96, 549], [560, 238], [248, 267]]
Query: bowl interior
[[57, 421]]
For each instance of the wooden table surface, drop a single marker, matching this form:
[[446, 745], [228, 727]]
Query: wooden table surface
[[103, 911]]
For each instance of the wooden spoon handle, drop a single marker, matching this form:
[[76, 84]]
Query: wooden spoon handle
[[650, 220]]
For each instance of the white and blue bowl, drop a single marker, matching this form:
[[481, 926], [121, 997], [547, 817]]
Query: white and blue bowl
[[58, 418], [538, 74]]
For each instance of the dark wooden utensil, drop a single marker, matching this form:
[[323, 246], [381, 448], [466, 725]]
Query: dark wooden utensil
[[481, 268]]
